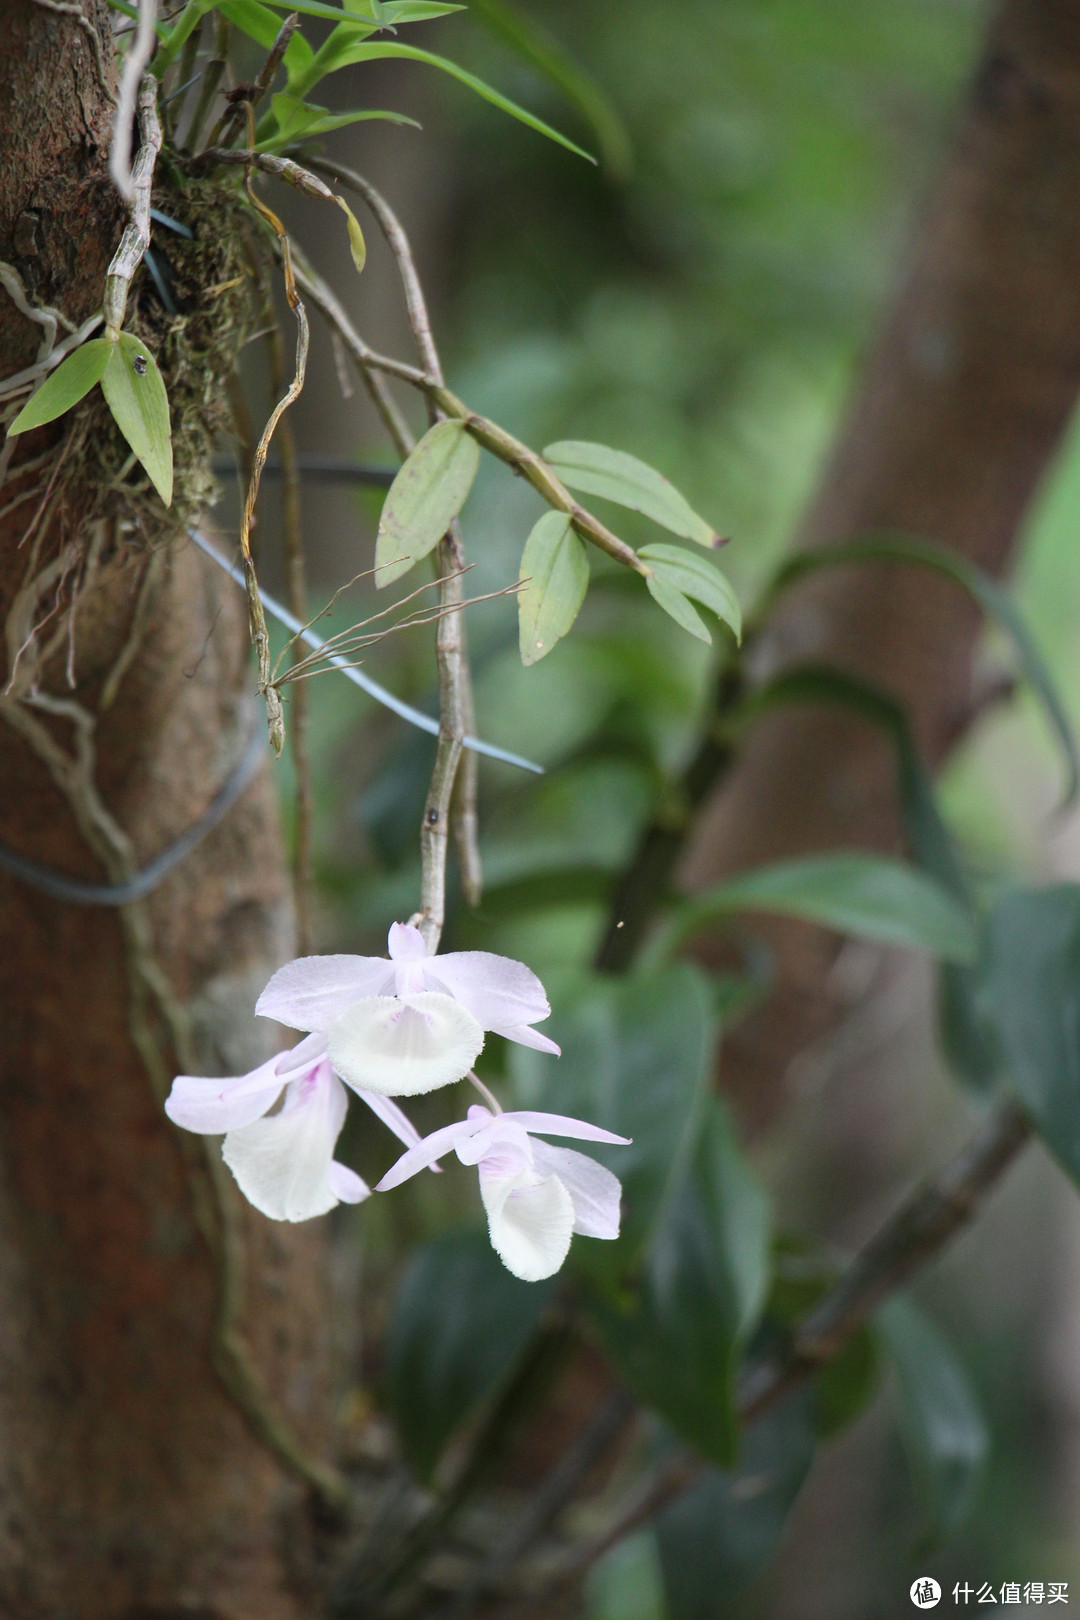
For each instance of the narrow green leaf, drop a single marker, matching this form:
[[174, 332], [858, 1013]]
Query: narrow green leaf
[[993, 601], [425, 497], [459, 1322], [699, 1297], [538, 47], [1030, 999], [375, 52], [135, 392], [676, 606], [716, 1538], [693, 576], [297, 121], [555, 567], [257, 21], [869, 895], [597, 470], [188, 20], [942, 1426], [389, 15], [71, 381]]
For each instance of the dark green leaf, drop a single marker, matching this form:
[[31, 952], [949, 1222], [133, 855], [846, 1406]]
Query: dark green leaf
[[714, 1540], [597, 470], [995, 603], [695, 577], [71, 381], [533, 43], [675, 604], [870, 895], [846, 1383], [677, 1340], [425, 497], [136, 396], [459, 1322], [942, 1425], [1031, 999], [375, 52], [636, 1061], [556, 568]]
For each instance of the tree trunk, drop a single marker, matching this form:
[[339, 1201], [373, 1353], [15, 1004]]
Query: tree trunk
[[961, 408], [131, 1483]]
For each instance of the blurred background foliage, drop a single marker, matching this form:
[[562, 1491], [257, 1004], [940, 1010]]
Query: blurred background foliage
[[706, 308]]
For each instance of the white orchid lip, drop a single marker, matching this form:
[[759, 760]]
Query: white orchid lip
[[402, 1046], [530, 1221]]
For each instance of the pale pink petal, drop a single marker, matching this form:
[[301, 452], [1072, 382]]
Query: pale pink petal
[[594, 1191], [212, 1107], [302, 1055], [498, 1135], [525, 1035], [347, 1185], [406, 943], [530, 1221], [563, 1125], [282, 1163], [313, 991], [426, 1152], [403, 1046], [498, 991], [386, 1109]]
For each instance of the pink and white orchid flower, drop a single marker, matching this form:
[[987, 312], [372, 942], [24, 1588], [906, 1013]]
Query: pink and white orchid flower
[[535, 1195], [283, 1162], [411, 1023]]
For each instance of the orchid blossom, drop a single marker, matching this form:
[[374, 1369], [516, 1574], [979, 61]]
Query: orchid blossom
[[411, 1023], [535, 1195], [283, 1162]]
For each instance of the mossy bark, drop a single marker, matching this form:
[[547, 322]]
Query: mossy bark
[[130, 1483]]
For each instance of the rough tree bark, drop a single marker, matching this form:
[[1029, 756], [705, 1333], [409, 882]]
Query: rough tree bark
[[962, 406], [130, 1484]]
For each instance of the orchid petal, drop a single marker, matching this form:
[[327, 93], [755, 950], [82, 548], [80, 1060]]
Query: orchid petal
[[403, 1046], [347, 1186], [406, 943], [564, 1125], [525, 1035], [426, 1152], [594, 1191], [530, 1221], [282, 1164], [212, 1107], [313, 991], [386, 1109], [498, 991], [302, 1055], [497, 1136]]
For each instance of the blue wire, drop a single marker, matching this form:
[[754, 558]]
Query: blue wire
[[414, 716]]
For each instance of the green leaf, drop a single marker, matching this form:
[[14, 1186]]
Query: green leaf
[[724, 1531], [555, 566], [678, 1340], [538, 47], [847, 1383], [135, 393], [694, 577], [377, 52], [71, 381], [459, 1323], [870, 895], [597, 470], [388, 15], [636, 1060], [993, 601], [298, 121], [802, 1274], [1030, 998], [942, 1426], [428, 493], [188, 20], [675, 604], [357, 245], [258, 22]]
